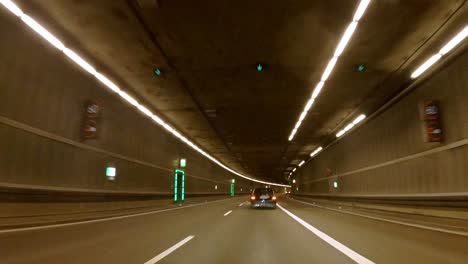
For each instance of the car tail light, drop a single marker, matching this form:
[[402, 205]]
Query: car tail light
[[274, 198], [252, 197]]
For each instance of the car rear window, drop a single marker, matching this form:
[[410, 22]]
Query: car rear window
[[261, 191]]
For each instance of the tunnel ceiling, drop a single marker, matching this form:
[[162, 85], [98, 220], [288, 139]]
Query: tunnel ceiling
[[207, 51]]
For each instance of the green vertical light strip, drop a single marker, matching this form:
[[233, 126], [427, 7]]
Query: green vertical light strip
[[175, 186], [183, 186], [232, 189]]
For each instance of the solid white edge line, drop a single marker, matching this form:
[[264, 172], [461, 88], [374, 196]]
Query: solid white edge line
[[103, 219], [169, 250], [342, 248], [460, 233], [228, 212]]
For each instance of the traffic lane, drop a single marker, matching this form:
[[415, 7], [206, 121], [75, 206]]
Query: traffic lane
[[129, 240], [384, 242], [256, 236]]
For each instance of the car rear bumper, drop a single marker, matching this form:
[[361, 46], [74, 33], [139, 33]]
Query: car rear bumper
[[262, 204]]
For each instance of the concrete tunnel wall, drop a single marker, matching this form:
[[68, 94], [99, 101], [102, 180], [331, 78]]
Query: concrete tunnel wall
[[398, 133], [43, 99]]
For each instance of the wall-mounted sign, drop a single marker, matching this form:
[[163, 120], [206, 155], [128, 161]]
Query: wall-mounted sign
[[111, 172], [432, 121], [183, 163], [232, 188], [90, 120]]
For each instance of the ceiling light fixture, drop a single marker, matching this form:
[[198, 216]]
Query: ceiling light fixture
[[444, 50], [331, 64], [350, 125], [454, 41], [316, 151], [309, 104], [339, 134], [30, 22], [42, 31], [360, 10], [329, 69], [317, 89], [80, 61], [303, 114], [345, 39], [426, 65], [12, 7], [302, 163], [359, 119]]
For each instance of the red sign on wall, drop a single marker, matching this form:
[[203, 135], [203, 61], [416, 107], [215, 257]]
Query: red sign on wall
[[432, 120], [90, 121]]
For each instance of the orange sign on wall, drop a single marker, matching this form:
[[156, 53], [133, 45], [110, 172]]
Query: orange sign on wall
[[90, 121], [432, 121]]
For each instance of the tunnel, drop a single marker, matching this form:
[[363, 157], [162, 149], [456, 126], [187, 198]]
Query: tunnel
[[179, 131]]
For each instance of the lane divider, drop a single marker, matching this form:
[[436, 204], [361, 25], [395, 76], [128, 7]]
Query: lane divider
[[104, 219], [241, 204], [438, 229], [169, 250], [342, 248], [227, 213]]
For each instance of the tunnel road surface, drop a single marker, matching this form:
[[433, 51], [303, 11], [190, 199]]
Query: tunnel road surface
[[229, 231]]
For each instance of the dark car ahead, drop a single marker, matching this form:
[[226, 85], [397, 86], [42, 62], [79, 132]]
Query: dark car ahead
[[263, 197]]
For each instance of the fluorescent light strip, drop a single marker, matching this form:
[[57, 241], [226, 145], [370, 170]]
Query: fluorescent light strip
[[30, 22], [303, 114], [298, 124], [329, 69], [444, 50], [454, 41], [80, 61], [350, 125], [426, 65], [331, 64], [360, 10], [346, 37], [309, 104], [317, 89], [311, 155], [359, 119], [43, 32], [339, 134], [128, 98], [12, 7], [107, 82], [316, 151]]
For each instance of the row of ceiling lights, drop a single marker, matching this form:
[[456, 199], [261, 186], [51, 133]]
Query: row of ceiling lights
[[455, 41], [444, 50], [328, 70], [350, 125], [326, 74], [54, 41]]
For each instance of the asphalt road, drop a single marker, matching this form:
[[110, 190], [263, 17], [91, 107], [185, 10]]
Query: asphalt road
[[210, 233]]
